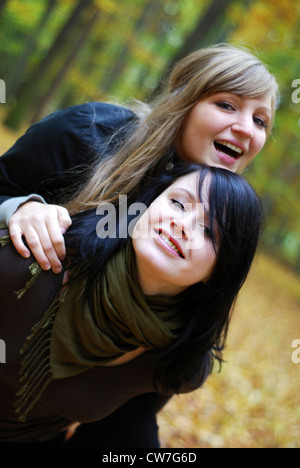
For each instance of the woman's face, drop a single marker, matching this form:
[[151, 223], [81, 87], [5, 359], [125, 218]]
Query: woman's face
[[172, 240], [225, 130]]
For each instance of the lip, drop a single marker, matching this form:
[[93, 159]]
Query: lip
[[166, 246], [226, 158], [238, 144]]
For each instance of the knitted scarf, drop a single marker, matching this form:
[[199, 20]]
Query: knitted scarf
[[72, 337]]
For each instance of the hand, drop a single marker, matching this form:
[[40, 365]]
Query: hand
[[43, 227]]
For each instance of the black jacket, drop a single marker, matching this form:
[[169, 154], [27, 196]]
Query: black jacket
[[47, 159]]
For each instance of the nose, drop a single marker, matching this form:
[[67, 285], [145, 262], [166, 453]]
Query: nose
[[186, 229], [244, 126], [180, 230]]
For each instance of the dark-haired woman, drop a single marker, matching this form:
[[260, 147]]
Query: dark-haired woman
[[218, 109], [154, 305]]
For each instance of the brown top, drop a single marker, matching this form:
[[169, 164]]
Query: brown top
[[87, 397]]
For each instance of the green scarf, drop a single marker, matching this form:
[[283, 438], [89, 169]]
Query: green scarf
[[71, 338]]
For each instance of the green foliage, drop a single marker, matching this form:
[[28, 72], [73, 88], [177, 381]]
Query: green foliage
[[276, 172]]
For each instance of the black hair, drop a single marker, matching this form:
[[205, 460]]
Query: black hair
[[236, 215]]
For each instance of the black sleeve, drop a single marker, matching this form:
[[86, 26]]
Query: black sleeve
[[133, 425], [46, 159]]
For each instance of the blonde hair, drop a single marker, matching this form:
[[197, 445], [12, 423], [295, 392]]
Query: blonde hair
[[208, 71]]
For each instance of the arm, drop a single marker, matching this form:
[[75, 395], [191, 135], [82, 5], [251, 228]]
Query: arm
[[47, 148], [133, 425], [42, 161], [105, 389]]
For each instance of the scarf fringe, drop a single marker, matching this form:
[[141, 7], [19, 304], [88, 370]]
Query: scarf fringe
[[4, 240], [35, 371], [35, 349], [34, 270]]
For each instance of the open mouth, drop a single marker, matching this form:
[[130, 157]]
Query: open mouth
[[229, 149], [171, 243]]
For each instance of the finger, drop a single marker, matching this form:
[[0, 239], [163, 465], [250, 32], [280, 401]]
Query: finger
[[16, 237], [34, 243], [52, 244], [63, 219], [57, 240]]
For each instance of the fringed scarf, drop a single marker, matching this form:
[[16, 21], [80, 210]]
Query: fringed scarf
[[72, 338]]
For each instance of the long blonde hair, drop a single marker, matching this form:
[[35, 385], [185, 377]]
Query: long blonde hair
[[205, 72]]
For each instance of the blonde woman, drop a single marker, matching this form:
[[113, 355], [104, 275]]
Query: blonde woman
[[218, 109]]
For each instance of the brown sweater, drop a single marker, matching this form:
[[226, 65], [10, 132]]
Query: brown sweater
[[87, 397]]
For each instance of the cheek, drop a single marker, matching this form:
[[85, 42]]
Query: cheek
[[204, 263], [150, 220], [142, 228], [194, 125], [202, 122], [260, 142]]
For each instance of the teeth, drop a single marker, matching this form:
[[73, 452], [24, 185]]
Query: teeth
[[229, 145], [167, 240]]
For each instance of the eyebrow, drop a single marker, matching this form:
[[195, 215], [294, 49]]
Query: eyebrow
[[191, 195], [260, 108], [267, 109]]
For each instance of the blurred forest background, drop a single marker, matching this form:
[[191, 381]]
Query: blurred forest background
[[56, 53]]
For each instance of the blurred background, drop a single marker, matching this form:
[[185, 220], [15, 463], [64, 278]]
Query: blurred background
[[57, 53]]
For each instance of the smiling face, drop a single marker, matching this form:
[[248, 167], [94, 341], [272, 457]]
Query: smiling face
[[172, 240], [225, 130]]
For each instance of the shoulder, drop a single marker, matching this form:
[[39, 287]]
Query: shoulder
[[88, 124], [85, 116]]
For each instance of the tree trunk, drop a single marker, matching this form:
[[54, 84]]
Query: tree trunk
[[2, 5], [149, 13], [28, 94], [14, 79], [214, 13], [57, 81]]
